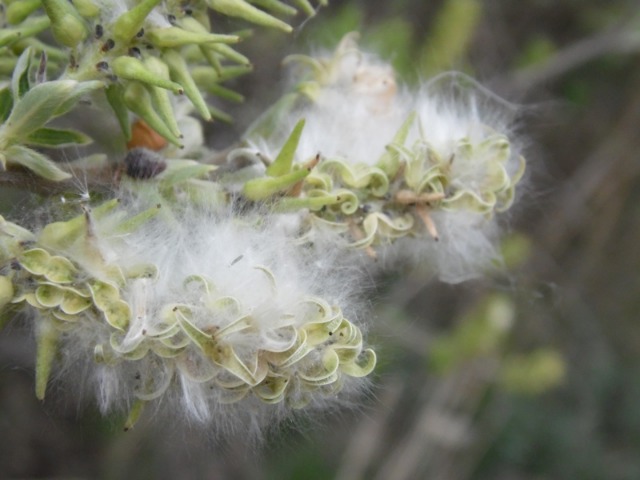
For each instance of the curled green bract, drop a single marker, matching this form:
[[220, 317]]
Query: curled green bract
[[292, 355], [451, 153], [377, 204], [473, 177]]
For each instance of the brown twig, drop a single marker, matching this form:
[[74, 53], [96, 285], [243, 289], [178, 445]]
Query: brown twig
[[621, 39]]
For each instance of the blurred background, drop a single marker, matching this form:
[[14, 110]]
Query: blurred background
[[530, 374]]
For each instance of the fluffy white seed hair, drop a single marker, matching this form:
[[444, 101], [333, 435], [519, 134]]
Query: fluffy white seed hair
[[356, 112], [453, 107], [253, 269]]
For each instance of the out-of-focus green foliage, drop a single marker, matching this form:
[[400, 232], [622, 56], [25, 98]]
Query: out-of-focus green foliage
[[447, 44]]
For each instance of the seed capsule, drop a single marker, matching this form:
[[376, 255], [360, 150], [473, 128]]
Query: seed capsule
[[142, 163]]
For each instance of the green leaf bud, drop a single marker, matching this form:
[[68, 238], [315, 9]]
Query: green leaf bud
[[306, 7], [205, 75], [87, 8], [46, 348], [67, 26], [134, 414], [138, 100], [229, 53], [180, 73], [172, 37], [33, 26], [8, 36], [130, 22], [18, 10], [115, 97], [133, 69], [223, 92], [160, 97], [246, 11], [275, 6]]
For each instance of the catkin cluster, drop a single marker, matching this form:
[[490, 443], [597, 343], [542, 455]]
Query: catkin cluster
[[419, 175], [220, 291]]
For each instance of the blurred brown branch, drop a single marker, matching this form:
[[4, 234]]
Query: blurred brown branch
[[620, 39]]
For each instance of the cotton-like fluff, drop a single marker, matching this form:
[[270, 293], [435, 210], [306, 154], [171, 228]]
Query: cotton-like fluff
[[356, 117], [464, 148], [473, 130], [352, 107], [199, 314], [420, 176]]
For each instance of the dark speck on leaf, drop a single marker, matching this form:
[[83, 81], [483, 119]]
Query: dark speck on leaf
[[108, 45]]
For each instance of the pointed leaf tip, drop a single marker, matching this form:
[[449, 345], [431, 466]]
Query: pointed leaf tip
[[283, 162]]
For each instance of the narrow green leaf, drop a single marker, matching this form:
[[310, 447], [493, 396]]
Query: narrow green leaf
[[36, 108], [46, 348], [131, 68], [42, 103], [138, 100], [53, 53], [54, 137], [275, 6], [87, 8], [115, 97], [8, 36], [134, 414], [36, 162], [20, 77], [223, 92], [246, 11], [6, 291], [180, 73], [67, 26], [229, 53], [263, 188], [17, 12], [131, 21], [160, 96], [6, 103], [218, 114], [34, 25], [306, 7], [283, 162], [172, 37]]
